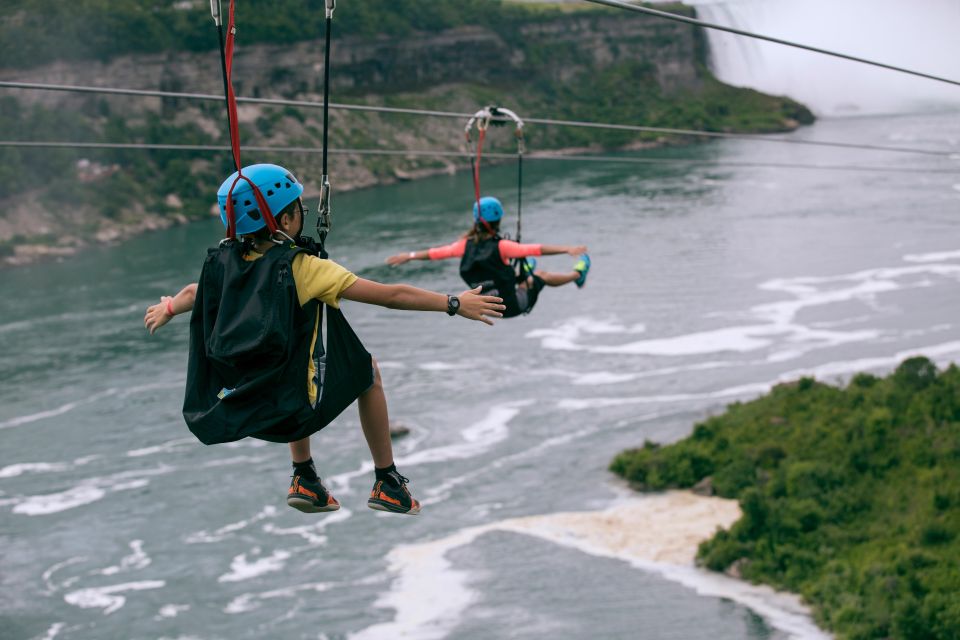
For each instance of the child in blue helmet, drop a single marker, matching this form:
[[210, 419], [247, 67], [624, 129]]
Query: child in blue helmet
[[257, 261], [485, 260]]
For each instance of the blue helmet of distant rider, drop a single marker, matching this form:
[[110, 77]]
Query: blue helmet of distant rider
[[489, 210]]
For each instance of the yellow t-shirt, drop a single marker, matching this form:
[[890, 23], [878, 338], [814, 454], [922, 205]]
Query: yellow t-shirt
[[323, 280]]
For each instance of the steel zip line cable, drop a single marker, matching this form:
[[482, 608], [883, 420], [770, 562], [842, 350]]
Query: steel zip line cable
[[457, 115], [459, 154], [620, 4]]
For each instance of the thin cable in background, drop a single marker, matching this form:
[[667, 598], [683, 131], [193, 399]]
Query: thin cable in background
[[457, 115], [463, 155]]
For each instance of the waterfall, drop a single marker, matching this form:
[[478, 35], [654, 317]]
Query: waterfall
[[921, 35]]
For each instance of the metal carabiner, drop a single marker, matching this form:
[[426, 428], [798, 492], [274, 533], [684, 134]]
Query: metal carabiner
[[324, 217], [215, 12]]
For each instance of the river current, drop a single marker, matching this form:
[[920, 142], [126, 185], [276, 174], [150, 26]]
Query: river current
[[711, 282]]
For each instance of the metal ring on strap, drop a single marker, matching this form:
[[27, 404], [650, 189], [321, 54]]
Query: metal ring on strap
[[493, 114]]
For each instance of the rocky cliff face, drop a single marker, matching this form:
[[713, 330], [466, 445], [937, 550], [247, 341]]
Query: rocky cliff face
[[563, 66], [559, 49]]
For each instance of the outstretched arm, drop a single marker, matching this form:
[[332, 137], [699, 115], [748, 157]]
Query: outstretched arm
[[402, 296], [400, 258], [159, 314], [555, 249], [453, 250]]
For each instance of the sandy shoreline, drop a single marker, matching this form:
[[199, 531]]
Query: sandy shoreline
[[659, 533]]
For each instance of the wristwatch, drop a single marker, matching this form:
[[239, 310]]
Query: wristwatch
[[453, 305]]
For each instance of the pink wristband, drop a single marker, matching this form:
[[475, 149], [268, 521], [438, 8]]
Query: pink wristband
[[170, 308]]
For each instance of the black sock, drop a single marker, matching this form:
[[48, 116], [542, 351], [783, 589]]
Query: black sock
[[305, 469], [384, 474]]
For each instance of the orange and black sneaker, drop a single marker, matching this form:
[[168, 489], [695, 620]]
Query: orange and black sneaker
[[391, 494], [310, 496]]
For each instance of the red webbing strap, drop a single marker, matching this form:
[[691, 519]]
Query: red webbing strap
[[476, 179], [235, 143]]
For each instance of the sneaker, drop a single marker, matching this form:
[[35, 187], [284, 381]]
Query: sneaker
[[583, 266], [310, 496], [392, 495]]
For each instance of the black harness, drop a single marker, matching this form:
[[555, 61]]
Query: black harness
[[250, 349], [483, 266]]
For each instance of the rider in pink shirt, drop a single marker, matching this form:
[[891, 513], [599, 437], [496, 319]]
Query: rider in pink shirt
[[485, 260]]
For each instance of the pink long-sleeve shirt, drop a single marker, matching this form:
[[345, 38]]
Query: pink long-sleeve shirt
[[509, 250]]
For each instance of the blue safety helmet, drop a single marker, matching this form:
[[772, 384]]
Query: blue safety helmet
[[490, 210], [278, 186]]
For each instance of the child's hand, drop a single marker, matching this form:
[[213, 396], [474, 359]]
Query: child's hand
[[577, 250], [398, 259], [157, 315], [477, 307]]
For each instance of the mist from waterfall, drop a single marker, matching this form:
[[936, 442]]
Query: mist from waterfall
[[921, 35]]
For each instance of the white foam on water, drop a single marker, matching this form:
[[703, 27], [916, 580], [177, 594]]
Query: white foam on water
[[588, 379], [312, 533], [14, 470], [340, 483], [138, 559], [598, 378], [171, 611], [56, 411], [226, 462], [53, 631], [427, 595], [564, 337], [55, 502], [658, 533], [939, 353], [86, 491], [391, 364], [242, 569], [170, 446], [108, 598], [48, 575], [776, 321], [830, 324], [224, 532], [603, 377], [445, 366], [246, 443], [729, 339], [75, 317], [574, 404], [938, 256], [252, 601], [478, 437], [152, 386], [440, 492]]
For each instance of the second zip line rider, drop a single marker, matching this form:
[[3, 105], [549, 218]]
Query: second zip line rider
[[485, 261]]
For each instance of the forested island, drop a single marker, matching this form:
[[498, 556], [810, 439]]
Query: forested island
[[576, 62], [850, 496]]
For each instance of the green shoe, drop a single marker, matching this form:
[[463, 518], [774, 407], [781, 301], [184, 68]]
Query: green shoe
[[583, 267]]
